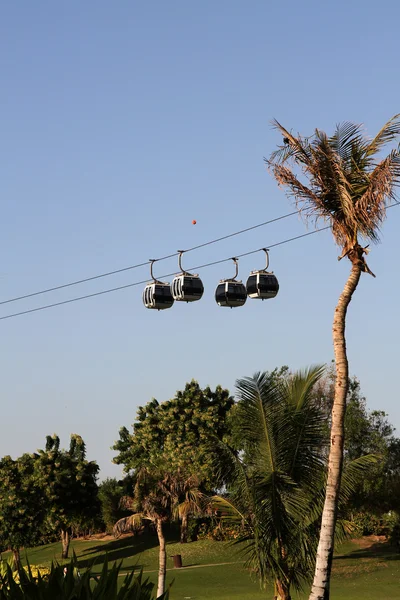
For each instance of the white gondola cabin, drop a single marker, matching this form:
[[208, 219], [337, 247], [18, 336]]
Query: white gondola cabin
[[185, 286]]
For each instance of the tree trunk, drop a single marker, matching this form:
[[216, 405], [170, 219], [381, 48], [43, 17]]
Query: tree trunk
[[184, 529], [16, 558], [65, 543], [323, 566], [162, 564], [282, 590]]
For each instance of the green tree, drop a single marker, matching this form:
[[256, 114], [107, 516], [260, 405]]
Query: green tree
[[111, 492], [276, 480], [173, 437], [341, 180], [21, 504], [70, 486], [366, 432]]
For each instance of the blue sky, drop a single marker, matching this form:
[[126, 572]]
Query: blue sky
[[120, 123]]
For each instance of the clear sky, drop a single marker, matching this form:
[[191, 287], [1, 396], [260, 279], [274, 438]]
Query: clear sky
[[123, 121]]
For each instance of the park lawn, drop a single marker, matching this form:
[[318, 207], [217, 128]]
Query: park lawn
[[363, 569]]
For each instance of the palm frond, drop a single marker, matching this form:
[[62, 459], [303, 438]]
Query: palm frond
[[353, 473], [258, 400], [229, 510], [298, 388], [129, 524], [339, 180], [389, 132], [379, 188], [346, 137], [297, 148]]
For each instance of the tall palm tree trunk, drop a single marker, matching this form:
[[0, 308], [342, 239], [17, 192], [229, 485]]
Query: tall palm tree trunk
[[184, 529], [320, 587], [162, 563]]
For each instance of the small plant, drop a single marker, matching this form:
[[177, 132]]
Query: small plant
[[64, 583]]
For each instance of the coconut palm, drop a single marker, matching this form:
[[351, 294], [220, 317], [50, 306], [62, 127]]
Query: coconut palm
[[276, 482], [343, 180]]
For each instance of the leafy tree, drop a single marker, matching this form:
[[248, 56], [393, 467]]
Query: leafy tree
[[173, 437], [69, 484], [276, 481], [111, 492], [366, 432], [21, 504], [341, 180]]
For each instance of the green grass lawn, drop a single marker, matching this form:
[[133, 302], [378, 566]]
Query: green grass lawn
[[361, 570]]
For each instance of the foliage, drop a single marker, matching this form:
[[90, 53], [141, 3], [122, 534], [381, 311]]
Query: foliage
[[368, 523], [366, 432], [69, 483], [394, 531], [219, 531], [341, 179], [30, 585], [21, 503], [173, 435], [276, 480], [157, 497], [111, 491], [171, 441]]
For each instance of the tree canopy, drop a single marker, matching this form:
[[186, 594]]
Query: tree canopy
[[22, 506], [173, 435], [69, 483]]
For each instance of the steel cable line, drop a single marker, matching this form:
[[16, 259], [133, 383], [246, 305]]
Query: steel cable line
[[143, 264], [129, 285], [122, 287]]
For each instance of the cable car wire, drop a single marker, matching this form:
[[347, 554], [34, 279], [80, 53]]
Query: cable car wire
[[122, 287], [143, 264], [129, 285]]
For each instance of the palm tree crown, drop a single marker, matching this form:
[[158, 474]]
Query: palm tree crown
[[341, 179]]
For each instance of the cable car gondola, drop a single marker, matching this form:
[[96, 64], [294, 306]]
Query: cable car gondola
[[185, 286], [157, 294], [230, 292], [261, 284]]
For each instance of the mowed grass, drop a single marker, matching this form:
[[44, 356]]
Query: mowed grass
[[363, 569]]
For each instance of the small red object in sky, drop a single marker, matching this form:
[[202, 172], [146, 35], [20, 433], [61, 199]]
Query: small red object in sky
[[194, 222]]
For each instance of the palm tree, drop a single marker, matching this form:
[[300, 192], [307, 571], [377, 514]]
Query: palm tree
[[276, 482], [151, 501], [160, 497], [342, 180], [188, 500]]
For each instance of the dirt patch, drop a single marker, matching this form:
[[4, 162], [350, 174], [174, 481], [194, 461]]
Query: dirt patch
[[368, 541], [102, 537]]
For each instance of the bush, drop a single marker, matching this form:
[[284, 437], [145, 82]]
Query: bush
[[210, 529], [394, 533], [58, 583], [370, 524]]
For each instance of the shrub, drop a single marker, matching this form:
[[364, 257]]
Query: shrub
[[218, 531], [32, 583], [368, 523]]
